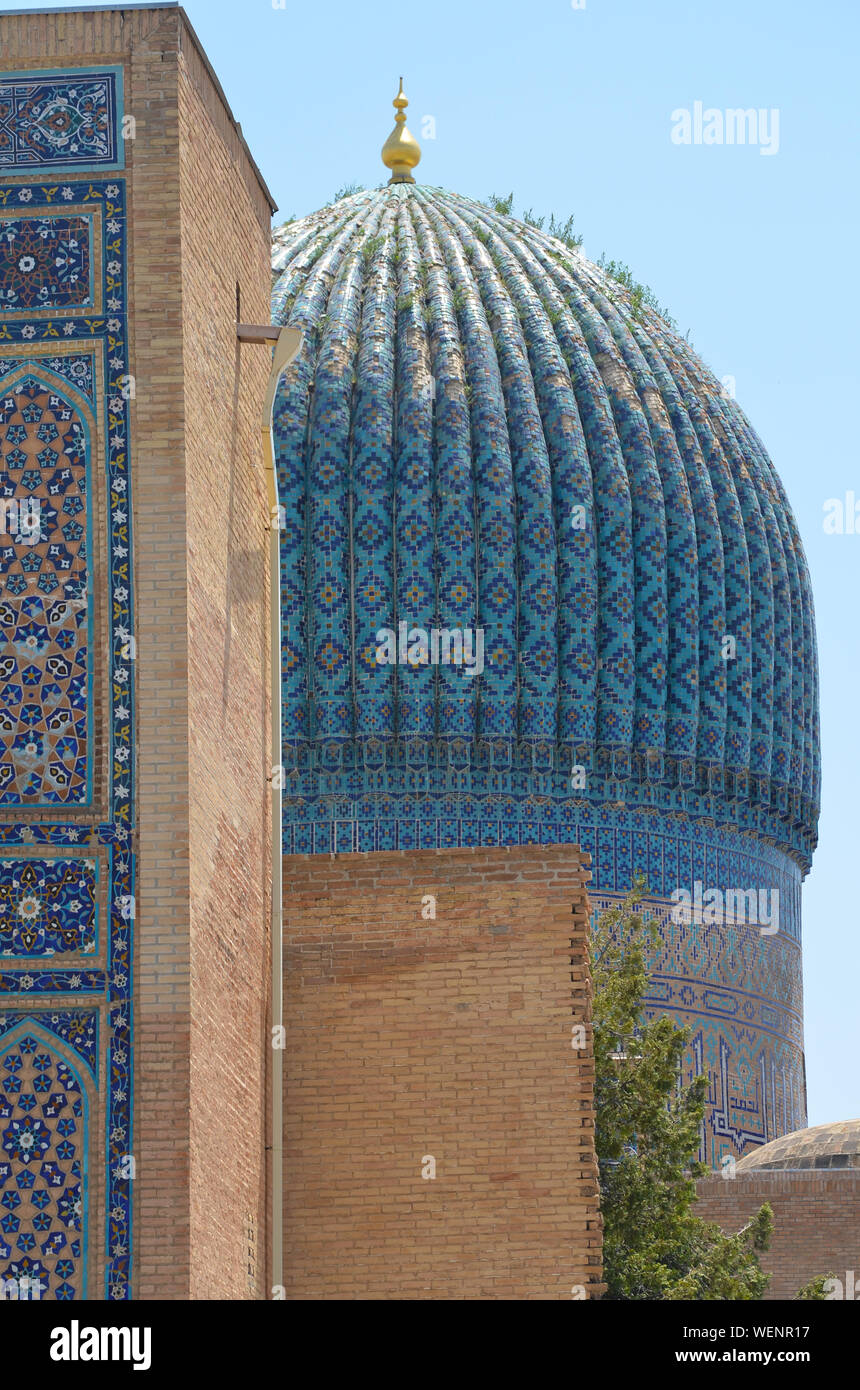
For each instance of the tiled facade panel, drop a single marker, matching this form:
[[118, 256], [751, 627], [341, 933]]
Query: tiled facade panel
[[46, 1154], [61, 120], [48, 906], [45, 593], [67, 692], [66, 689], [45, 263], [118, 161]]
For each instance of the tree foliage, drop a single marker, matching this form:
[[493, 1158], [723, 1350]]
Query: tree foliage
[[647, 1135], [818, 1289]]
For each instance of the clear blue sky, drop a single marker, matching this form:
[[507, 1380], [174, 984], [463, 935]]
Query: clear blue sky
[[755, 254]]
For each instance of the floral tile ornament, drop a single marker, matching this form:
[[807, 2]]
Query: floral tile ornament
[[51, 120], [45, 263], [47, 906]]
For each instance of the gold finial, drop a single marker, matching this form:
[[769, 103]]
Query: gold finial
[[401, 151]]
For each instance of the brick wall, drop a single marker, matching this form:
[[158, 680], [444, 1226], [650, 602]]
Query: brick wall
[[225, 225], [410, 1037], [161, 1052], [816, 1221]]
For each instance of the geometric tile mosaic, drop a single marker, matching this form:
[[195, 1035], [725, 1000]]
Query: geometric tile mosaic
[[45, 263], [78, 371], [47, 906], [63, 374], [77, 1028], [43, 1171], [44, 608]]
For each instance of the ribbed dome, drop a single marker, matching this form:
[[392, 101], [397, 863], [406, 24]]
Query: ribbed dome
[[483, 430], [823, 1146]]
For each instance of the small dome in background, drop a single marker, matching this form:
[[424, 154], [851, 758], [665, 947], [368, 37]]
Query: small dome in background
[[822, 1146]]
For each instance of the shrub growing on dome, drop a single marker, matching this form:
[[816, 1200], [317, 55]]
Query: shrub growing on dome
[[348, 190]]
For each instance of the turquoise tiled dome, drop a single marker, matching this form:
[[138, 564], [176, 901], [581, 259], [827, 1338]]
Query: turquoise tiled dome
[[481, 432], [484, 431]]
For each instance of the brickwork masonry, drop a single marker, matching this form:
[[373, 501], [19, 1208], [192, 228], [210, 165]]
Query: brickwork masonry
[[440, 1125]]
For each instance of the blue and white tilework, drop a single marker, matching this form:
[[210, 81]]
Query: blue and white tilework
[[67, 661]]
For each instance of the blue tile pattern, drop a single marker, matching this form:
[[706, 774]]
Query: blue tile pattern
[[51, 120], [739, 993], [45, 603], [78, 1028], [44, 1169], [45, 263], [466, 383], [47, 906], [76, 357]]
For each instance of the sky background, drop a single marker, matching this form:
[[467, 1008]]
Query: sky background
[[571, 109]]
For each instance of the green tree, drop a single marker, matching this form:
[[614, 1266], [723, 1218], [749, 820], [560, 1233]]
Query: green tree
[[647, 1135], [817, 1289]]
